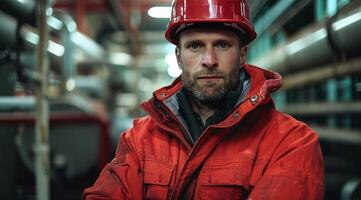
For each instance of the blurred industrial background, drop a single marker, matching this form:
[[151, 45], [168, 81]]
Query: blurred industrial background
[[85, 65]]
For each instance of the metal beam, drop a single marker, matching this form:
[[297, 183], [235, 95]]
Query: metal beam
[[321, 73], [311, 109], [256, 6], [17, 103]]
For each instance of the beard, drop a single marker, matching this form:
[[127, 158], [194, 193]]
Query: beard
[[210, 93]]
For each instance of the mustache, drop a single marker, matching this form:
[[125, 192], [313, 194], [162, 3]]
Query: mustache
[[209, 73]]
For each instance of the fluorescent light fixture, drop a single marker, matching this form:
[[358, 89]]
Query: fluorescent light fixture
[[160, 12], [53, 47], [173, 69]]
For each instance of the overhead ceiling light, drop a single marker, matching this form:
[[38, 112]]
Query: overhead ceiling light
[[160, 12], [70, 84], [171, 59], [173, 69]]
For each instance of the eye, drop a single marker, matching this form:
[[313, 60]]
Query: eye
[[194, 46], [223, 45]]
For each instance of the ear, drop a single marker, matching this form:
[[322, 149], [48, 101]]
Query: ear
[[243, 55], [179, 60]]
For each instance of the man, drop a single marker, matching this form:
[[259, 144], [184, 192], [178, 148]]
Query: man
[[214, 133]]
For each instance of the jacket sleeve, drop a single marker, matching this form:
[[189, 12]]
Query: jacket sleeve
[[121, 178], [295, 170]]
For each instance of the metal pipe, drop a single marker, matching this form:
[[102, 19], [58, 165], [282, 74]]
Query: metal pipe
[[16, 103], [7, 32], [41, 146], [23, 10], [316, 45], [334, 135], [345, 30], [68, 68]]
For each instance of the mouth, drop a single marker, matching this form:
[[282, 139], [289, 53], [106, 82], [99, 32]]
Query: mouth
[[209, 77]]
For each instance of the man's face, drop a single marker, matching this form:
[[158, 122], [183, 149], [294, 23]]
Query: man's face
[[210, 60]]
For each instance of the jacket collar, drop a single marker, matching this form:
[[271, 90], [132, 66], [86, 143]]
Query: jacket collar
[[262, 83]]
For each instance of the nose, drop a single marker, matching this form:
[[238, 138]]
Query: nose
[[210, 59]]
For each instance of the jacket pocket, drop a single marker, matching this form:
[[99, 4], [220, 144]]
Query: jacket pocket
[[157, 178], [224, 182]]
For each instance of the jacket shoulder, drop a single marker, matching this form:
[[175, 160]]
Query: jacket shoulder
[[293, 142], [284, 134], [140, 129], [142, 126], [287, 124], [289, 146]]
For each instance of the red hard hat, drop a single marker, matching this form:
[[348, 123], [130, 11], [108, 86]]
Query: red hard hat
[[231, 13]]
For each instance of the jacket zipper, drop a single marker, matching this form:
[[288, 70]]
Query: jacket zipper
[[170, 115]]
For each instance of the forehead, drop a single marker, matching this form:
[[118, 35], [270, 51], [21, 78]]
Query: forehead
[[204, 34]]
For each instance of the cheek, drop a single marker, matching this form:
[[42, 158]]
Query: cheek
[[188, 74], [190, 61], [230, 55], [229, 64]]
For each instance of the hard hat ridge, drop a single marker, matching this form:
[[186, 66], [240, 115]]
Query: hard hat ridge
[[229, 14]]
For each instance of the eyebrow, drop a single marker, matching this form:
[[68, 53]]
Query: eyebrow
[[225, 40], [230, 41], [186, 43]]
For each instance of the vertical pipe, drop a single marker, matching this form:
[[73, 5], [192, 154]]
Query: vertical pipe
[[41, 146], [347, 97], [320, 9], [69, 68], [331, 98], [331, 7]]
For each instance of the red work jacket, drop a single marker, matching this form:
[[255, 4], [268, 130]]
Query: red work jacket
[[255, 153]]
